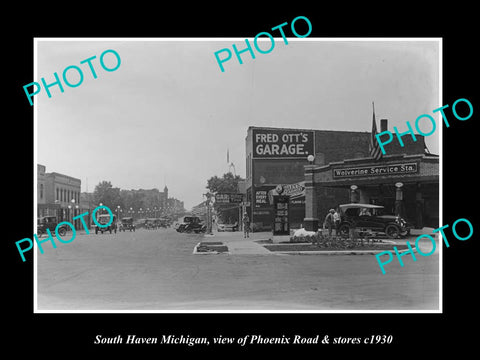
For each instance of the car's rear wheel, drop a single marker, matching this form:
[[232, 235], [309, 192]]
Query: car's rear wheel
[[392, 231], [62, 231]]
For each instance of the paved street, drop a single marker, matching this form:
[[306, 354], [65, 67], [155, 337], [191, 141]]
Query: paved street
[[157, 270]]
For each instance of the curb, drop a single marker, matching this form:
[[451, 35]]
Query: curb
[[337, 252], [357, 252]]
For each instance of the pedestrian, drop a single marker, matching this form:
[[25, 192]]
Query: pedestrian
[[329, 222], [336, 221], [246, 225]]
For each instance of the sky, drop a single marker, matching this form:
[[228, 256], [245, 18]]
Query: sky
[[168, 114]]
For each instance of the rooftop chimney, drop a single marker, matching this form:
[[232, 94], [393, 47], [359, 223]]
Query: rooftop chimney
[[383, 125]]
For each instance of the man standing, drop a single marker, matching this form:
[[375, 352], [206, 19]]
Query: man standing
[[336, 221], [329, 222], [246, 225]]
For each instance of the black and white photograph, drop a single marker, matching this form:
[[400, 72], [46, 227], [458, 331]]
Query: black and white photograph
[[223, 180], [216, 177]]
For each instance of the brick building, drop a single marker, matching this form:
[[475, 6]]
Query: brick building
[[57, 195], [277, 161]]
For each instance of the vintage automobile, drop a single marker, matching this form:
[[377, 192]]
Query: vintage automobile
[[191, 224], [164, 222], [50, 222], [369, 218], [152, 223], [227, 227], [104, 219], [126, 224]]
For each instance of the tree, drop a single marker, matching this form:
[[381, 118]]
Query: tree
[[106, 194], [228, 183]]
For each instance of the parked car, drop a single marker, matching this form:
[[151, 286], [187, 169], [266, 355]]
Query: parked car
[[104, 219], [152, 223], [50, 222], [368, 217], [165, 222], [126, 224], [227, 227], [191, 224]]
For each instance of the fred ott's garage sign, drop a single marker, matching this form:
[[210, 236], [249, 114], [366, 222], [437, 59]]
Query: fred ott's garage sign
[[391, 169], [274, 143]]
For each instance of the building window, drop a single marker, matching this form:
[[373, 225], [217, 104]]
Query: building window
[[57, 198], [41, 191]]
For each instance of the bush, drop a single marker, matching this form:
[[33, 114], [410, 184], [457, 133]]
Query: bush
[[331, 241]]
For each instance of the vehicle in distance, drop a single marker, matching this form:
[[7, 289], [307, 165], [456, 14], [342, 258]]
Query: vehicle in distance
[[227, 227], [191, 224], [50, 222], [126, 223], [104, 219]]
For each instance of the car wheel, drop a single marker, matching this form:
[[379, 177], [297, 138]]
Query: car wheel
[[392, 231], [62, 231]]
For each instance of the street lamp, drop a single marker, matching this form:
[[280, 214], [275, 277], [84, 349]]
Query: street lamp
[[76, 207], [310, 159], [73, 204], [69, 211]]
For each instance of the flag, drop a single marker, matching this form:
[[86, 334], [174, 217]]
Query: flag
[[373, 147], [228, 157]]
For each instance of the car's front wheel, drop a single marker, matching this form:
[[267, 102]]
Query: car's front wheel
[[392, 231]]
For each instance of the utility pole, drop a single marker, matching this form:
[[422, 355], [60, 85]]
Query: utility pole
[[208, 195]]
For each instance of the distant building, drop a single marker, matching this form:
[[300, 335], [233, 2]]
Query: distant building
[[57, 195]]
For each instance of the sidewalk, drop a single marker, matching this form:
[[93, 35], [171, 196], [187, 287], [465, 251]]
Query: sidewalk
[[238, 245]]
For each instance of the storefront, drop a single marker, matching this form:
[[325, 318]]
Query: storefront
[[406, 185], [277, 162]]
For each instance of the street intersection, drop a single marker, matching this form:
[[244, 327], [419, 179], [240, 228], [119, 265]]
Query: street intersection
[[157, 270]]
